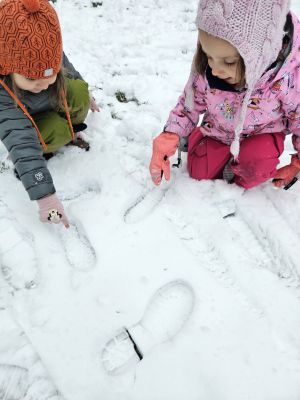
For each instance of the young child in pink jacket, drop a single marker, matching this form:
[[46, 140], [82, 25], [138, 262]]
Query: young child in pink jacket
[[245, 79]]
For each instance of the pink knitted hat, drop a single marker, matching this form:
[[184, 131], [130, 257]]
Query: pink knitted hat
[[255, 28]]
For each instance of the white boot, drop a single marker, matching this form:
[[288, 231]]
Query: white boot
[[165, 315]]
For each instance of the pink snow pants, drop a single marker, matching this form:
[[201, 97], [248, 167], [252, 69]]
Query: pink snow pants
[[257, 161]]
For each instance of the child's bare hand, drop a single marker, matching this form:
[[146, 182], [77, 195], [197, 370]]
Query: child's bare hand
[[93, 105]]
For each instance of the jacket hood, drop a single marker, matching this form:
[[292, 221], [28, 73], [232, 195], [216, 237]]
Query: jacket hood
[[292, 60]]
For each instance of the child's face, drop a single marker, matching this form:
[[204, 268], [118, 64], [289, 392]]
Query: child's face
[[223, 58], [33, 85]]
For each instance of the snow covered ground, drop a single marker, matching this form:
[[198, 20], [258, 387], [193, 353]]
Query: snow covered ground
[[242, 340]]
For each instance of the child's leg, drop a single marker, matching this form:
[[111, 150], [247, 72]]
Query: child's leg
[[54, 129], [206, 157], [78, 100], [54, 126], [258, 158]]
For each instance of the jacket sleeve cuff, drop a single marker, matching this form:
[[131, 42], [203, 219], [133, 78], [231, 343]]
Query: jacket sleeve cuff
[[41, 191], [175, 127], [38, 183]]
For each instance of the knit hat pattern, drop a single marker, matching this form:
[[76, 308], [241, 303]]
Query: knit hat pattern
[[30, 39], [256, 29]]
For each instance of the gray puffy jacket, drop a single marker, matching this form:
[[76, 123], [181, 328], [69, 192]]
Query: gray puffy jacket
[[21, 139]]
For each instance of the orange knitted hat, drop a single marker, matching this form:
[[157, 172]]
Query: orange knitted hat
[[30, 39]]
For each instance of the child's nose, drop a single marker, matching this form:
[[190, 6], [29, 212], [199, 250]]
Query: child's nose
[[43, 85], [217, 71]]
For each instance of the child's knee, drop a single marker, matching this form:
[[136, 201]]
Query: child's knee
[[197, 167], [207, 159], [78, 100], [265, 146], [249, 174], [59, 139], [77, 92], [258, 159], [197, 156], [54, 129]]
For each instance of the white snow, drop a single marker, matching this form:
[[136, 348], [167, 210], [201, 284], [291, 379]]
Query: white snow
[[242, 341]]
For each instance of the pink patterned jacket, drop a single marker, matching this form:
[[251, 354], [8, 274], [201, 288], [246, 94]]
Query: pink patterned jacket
[[274, 105]]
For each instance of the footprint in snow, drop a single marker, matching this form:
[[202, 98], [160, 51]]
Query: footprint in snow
[[86, 189], [78, 250], [24, 378], [13, 382], [18, 258], [165, 315], [144, 205]]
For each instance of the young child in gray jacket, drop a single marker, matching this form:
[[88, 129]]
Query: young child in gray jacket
[[43, 99]]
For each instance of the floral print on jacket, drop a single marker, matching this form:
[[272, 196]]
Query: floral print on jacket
[[274, 105]]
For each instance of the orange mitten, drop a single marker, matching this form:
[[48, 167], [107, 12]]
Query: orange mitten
[[164, 146], [286, 174]]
